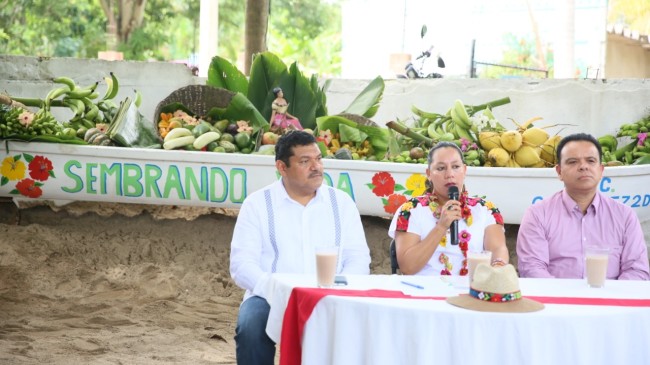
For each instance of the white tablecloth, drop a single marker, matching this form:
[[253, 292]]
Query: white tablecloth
[[362, 330]]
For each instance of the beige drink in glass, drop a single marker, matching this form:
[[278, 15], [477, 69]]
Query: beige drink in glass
[[596, 265], [326, 258], [474, 258]]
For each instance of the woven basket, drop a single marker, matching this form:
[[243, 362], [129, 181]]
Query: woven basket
[[359, 119], [199, 99]]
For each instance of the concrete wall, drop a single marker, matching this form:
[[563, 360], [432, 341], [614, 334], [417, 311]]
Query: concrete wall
[[594, 106]]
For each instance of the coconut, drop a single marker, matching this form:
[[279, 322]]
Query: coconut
[[511, 140], [526, 156], [498, 157], [512, 163], [548, 150], [534, 136], [489, 140], [541, 163]]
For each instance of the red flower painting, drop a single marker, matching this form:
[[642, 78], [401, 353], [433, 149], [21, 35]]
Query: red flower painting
[[394, 202], [29, 188], [384, 184], [40, 168]]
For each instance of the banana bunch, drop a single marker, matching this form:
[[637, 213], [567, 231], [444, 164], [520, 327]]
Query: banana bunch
[[632, 130], [637, 151], [23, 123], [453, 125], [456, 123], [89, 111]]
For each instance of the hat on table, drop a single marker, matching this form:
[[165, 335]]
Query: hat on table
[[495, 289]]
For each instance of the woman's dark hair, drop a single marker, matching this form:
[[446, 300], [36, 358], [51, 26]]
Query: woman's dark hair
[[578, 137], [286, 143], [444, 144], [276, 90]]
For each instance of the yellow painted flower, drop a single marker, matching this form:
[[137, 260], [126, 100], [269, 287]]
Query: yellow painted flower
[[489, 205], [416, 183], [443, 242], [470, 220], [12, 169]]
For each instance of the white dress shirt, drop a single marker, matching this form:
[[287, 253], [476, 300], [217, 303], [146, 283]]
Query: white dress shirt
[[274, 233]]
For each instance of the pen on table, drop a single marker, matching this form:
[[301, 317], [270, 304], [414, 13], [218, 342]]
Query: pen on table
[[413, 285]]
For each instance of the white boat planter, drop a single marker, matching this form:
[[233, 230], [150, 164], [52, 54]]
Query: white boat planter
[[61, 172]]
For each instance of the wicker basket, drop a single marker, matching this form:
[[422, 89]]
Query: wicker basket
[[359, 119], [199, 99]]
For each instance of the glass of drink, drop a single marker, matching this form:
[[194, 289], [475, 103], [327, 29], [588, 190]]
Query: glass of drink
[[596, 265], [474, 258], [326, 259]]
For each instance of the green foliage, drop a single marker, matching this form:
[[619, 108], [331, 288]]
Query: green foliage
[[225, 75], [367, 102], [266, 71]]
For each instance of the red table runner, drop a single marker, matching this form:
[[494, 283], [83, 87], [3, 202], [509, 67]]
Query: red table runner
[[303, 300]]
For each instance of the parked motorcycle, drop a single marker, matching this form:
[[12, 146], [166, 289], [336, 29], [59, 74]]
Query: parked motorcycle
[[413, 72]]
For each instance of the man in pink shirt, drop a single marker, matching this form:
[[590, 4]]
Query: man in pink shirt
[[554, 232]]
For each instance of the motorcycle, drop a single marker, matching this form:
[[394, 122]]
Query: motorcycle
[[416, 73]]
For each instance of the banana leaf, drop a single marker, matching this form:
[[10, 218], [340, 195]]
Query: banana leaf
[[378, 136], [266, 71], [240, 108], [129, 128], [319, 92], [367, 102], [225, 75], [351, 134], [300, 96]]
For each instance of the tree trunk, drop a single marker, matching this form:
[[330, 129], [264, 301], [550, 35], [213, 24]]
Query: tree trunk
[[257, 19], [129, 14]]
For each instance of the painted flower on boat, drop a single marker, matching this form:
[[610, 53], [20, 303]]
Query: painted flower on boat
[[416, 183], [29, 188], [383, 184], [12, 168], [40, 168], [393, 203]]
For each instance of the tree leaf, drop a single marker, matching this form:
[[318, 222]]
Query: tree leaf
[[225, 75], [367, 102], [240, 108], [378, 136]]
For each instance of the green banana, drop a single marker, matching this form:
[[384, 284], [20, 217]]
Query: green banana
[[84, 92], [422, 114], [463, 133], [462, 115], [431, 131], [65, 81], [620, 153], [608, 141], [77, 106], [138, 98], [113, 87], [54, 94]]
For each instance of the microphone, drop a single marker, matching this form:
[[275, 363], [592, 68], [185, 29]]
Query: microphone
[[453, 235]]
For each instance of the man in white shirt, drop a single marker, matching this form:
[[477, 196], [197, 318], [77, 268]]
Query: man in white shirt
[[277, 230]]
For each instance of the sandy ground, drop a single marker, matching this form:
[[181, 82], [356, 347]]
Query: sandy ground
[[123, 284], [97, 283]]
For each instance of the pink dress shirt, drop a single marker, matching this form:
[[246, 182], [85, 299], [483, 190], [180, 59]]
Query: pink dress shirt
[[554, 232]]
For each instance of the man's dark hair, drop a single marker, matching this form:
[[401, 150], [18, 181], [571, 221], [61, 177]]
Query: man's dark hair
[[578, 137], [444, 144], [286, 143]]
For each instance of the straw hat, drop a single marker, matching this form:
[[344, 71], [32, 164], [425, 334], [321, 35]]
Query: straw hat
[[495, 289]]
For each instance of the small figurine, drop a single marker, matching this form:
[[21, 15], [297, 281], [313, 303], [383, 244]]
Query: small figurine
[[281, 120]]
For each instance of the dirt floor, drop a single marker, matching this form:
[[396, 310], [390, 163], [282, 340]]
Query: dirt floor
[[93, 283]]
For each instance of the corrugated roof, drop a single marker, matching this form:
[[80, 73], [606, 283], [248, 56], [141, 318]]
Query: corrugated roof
[[629, 34]]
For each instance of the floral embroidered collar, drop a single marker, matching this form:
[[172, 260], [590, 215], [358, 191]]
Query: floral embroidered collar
[[431, 200]]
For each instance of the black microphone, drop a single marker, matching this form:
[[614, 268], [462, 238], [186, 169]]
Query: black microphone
[[453, 235]]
